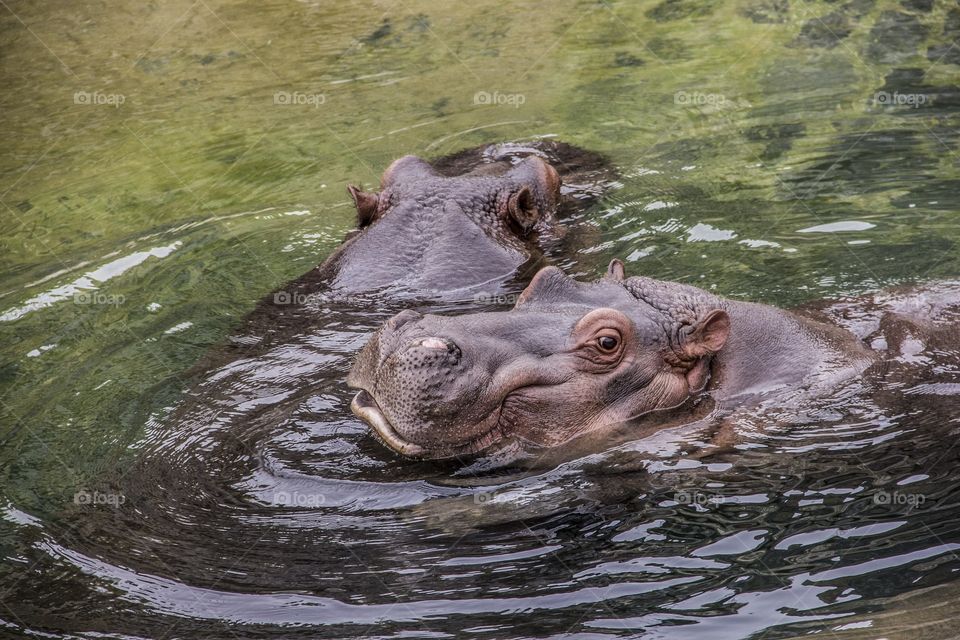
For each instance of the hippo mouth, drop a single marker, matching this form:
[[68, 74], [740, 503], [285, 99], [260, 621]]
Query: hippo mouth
[[365, 407]]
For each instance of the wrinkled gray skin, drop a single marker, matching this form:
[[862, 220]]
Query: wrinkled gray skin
[[572, 358], [424, 231]]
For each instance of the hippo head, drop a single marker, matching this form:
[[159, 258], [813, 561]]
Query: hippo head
[[425, 231], [571, 357]]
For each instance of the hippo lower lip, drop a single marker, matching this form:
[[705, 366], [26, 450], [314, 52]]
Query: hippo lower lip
[[365, 407]]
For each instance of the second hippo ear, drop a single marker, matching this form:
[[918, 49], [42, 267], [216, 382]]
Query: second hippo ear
[[366, 203], [616, 270], [708, 335], [522, 209], [535, 171], [550, 284]]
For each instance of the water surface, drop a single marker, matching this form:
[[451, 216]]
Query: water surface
[[168, 164]]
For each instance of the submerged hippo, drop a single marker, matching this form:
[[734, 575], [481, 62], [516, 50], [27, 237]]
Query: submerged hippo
[[573, 358], [426, 231], [464, 221]]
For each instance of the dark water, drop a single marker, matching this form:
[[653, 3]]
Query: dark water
[[166, 166]]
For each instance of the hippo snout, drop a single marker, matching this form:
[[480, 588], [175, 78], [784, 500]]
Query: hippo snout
[[407, 340], [418, 387], [419, 378]]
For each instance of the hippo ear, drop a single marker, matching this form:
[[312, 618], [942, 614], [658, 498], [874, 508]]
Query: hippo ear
[[540, 173], [708, 335], [616, 270], [366, 203], [549, 285], [522, 209]]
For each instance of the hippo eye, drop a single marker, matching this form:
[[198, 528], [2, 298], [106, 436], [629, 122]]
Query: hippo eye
[[608, 343]]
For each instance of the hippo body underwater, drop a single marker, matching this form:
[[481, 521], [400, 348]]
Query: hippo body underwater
[[572, 359]]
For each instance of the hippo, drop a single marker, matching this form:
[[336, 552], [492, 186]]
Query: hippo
[[463, 222], [426, 231], [572, 359]]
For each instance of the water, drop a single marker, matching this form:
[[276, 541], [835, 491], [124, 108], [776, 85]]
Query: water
[[168, 165]]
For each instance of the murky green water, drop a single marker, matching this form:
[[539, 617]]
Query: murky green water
[[167, 164]]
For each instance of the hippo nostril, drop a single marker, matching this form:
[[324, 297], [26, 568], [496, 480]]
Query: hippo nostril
[[434, 343], [402, 318], [434, 349]]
